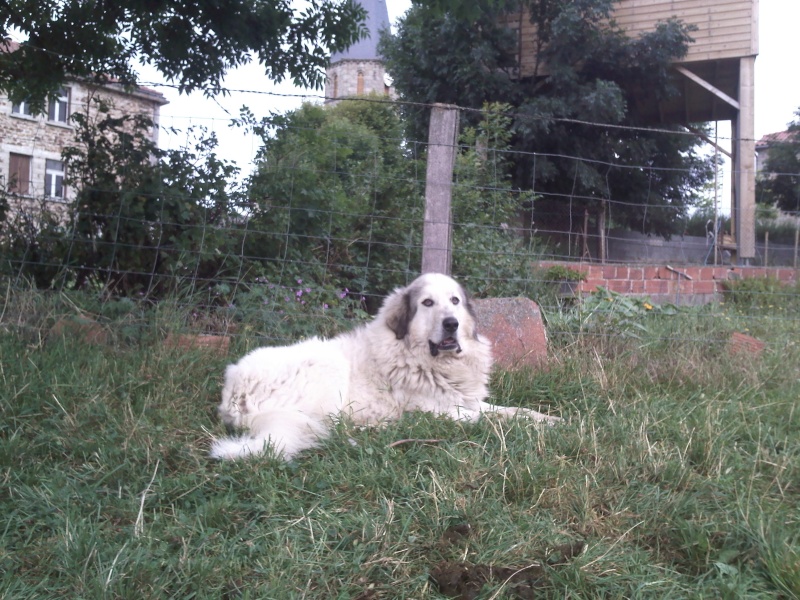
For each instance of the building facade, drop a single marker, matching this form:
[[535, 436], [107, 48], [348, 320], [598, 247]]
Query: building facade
[[31, 165]]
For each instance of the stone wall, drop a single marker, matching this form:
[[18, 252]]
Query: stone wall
[[342, 80], [42, 139]]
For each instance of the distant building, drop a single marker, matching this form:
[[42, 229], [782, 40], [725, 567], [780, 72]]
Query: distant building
[[31, 167], [764, 145], [359, 70]]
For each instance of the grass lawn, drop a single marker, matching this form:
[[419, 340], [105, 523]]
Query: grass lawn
[[676, 474]]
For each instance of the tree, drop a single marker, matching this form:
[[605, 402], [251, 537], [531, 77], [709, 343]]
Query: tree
[[334, 198], [143, 219], [191, 43], [779, 184], [588, 73]]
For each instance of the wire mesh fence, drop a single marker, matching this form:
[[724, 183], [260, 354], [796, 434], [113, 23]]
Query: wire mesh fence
[[333, 217]]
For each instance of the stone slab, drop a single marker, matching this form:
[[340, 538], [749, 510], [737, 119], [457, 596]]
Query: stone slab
[[516, 329]]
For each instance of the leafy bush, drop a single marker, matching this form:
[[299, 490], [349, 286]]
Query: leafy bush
[[492, 253], [143, 219], [761, 292]]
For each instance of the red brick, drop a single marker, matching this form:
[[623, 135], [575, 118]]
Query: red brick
[[740, 343], [609, 272], [591, 285], [636, 273], [720, 273], [594, 272], [692, 273], [638, 286], [706, 273], [704, 287], [218, 344], [621, 286], [656, 286], [652, 273]]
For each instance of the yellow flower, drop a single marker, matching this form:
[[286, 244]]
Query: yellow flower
[[648, 306]]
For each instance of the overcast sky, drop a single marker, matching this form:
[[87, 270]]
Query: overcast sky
[[777, 87]]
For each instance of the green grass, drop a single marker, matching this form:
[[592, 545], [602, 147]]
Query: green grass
[[678, 468]]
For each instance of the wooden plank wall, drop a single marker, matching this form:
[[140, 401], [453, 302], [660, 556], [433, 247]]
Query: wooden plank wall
[[725, 28]]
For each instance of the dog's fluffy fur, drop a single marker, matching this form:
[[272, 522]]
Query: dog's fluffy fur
[[421, 352]]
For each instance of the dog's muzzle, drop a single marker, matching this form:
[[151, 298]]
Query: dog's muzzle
[[450, 342]]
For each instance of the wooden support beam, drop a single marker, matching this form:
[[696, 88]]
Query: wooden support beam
[[707, 86], [744, 169], [709, 141]]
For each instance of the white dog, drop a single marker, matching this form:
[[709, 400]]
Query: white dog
[[421, 352]]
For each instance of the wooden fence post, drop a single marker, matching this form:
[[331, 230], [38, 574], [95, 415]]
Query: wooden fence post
[[437, 229]]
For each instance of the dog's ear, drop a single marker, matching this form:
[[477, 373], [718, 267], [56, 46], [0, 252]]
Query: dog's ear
[[399, 311], [471, 310]]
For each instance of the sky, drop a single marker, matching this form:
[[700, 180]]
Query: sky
[[777, 92]]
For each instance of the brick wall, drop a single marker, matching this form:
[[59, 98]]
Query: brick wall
[[663, 283]]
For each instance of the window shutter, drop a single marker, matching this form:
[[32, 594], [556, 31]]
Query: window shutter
[[19, 173]]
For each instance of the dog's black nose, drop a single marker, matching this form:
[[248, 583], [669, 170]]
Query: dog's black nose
[[450, 324]]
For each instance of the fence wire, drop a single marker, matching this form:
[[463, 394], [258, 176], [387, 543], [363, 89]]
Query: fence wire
[[332, 218]]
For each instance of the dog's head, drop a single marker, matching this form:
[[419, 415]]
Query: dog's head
[[433, 309]]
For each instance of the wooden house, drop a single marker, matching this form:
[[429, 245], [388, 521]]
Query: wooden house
[[716, 80]]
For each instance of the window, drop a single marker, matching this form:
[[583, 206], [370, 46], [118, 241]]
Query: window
[[21, 108], [54, 178], [19, 173], [335, 85], [360, 83], [58, 108]]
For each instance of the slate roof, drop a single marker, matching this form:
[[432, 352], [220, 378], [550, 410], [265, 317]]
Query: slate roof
[[367, 48]]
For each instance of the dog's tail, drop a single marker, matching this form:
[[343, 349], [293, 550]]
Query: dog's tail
[[285, 432]]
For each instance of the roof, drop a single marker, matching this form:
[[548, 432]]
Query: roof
[[367, 48], [9, 45], [771, 139]]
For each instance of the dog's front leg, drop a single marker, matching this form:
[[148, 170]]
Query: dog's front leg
[[512, 411]]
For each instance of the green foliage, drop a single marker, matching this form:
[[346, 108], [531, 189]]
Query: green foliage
[[335, 196], [604, 310], [33, 242], [761, 293], [655, 474], [192, 44], [289, 312], [556, 273], [593, 72], [491, 250], [779, 183], [142, 218]]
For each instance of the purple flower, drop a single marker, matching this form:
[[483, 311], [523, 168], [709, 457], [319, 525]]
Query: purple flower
[[344, 293], [299, 281], [325, 306]]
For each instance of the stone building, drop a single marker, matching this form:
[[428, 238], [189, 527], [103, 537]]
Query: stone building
[[31, 167], [359, 70]]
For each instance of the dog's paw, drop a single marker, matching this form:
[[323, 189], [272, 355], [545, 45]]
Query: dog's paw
[[538, 417]]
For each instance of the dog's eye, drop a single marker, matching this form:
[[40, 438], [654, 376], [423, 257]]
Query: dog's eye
[[427, 302], [455, 300]]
